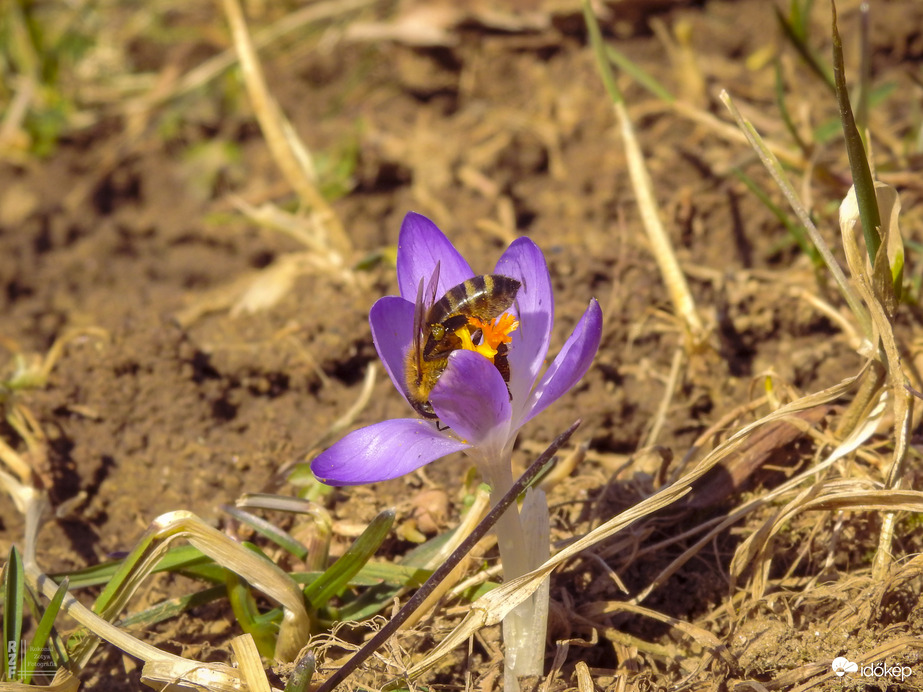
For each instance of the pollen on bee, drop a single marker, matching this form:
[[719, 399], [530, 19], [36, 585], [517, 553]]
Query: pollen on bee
[[493, 333]]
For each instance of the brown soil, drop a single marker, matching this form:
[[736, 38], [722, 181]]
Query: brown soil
[[167, 397]]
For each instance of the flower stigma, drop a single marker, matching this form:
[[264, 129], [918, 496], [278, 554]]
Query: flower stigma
[[493, 333]]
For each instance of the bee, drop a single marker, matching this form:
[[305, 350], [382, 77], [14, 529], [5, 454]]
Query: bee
[[436, 324]]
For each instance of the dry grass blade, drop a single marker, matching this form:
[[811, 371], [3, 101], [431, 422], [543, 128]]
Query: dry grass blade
[[492, 607], [64, 681], [661, 247], [763, 445], [847, 446], [15, 463], [902, 402], [263, 575], [249, 664], [258, 572], [585, 678], [213, 67], [676, 371], [269, 285], [270, 216], [263, 288], [778, 174], [730, 133], [704, 638], [867, 500], [289, 153], [161, 670], [756, 552], [756, 544]]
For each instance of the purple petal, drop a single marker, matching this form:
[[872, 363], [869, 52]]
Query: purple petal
[[571, 363], [523, 260], [471, 398], [420, 247], [383, 451], [391, 319]]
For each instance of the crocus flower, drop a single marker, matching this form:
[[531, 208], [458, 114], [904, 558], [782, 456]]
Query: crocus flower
[[479, 412]]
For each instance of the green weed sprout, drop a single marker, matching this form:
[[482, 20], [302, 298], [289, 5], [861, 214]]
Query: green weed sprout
[[35, 55]]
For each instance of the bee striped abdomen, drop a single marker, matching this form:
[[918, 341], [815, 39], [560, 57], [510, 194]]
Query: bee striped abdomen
[[486, 297]]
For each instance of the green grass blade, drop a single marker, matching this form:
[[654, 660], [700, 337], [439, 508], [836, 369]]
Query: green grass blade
[[338, 575], [775, 170], [855, 149], [13, 597], [599, 49], [634, 71], [273, 533], [207, 571], [373, 574], [43, 632], [798, 38], [173, 607], [800, 13], [865, 70], [181, 558], [795, 230], [370, 602], [248, 616], [392, 579], [832, 128], [783, 111], [124, 572]]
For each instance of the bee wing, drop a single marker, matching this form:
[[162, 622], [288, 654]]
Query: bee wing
[[431, 289], [417, 346], [421, 308]]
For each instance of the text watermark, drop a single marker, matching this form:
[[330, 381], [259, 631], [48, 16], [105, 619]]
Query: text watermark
[[842, 665], [24, 662]]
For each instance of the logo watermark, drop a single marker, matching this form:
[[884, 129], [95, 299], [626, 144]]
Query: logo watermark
[[24, 662], [842, 665]]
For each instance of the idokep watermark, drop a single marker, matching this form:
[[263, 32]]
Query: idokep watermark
[[842, 665]]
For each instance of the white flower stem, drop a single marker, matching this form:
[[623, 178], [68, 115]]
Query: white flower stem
[[524, 538]]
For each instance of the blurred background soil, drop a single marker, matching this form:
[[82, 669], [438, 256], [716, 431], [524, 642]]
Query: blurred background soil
[[120, 229]]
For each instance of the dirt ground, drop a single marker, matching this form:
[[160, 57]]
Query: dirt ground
[[173, 392]]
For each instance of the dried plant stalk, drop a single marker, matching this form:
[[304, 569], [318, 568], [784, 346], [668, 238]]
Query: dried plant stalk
[[289, 153]]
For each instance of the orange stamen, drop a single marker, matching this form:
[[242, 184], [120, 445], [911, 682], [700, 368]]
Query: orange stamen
[[493, 333]]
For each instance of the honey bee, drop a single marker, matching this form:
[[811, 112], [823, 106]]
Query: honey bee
[[437, 330]]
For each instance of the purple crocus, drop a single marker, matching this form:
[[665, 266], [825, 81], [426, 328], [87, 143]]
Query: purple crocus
[[480, 412]]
